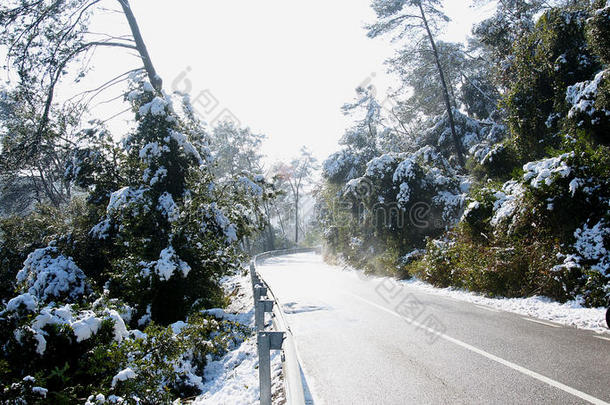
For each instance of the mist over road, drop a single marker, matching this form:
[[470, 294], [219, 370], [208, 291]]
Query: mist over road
[[373, 341]]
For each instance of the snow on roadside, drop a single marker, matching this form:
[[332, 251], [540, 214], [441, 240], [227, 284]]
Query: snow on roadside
[[233, 379], [571, 313]]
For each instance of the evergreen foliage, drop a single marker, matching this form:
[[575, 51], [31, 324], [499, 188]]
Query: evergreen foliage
[[531, 216]]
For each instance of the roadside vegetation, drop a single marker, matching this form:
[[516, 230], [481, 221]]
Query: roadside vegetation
[[113, 247], [527, 213]]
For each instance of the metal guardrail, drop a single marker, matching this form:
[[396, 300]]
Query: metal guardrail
[[281, 339]]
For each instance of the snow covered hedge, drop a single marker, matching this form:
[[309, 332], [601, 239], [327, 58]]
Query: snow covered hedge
[[395, 199], [50, 276], [106, 299], [91, 353], [535, 220], [546, 232]]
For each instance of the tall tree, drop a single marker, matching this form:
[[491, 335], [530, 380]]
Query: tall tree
[[297, 175], [419, 20], [236, 150]]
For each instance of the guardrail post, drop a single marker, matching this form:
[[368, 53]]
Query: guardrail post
[[267, 341], [262, 306], [253, 277], [259, 291]]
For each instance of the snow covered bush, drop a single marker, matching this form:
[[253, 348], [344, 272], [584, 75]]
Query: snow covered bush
[[161, 364], [20, 236], [545, 231], [394, 203], [50, 276], [589, 103], [342, 166], [438, 133], [494, 161], [54, 344], [24, 392], [103, 297], [478, 213], [84, 353]]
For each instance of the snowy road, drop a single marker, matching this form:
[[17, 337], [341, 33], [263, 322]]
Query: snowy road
[[369, 341]]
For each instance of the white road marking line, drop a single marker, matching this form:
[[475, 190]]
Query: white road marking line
[[552, 325], [487, 308], [516, 367], [602, 337]]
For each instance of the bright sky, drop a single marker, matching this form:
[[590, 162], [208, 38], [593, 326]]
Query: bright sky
[[283, 68]]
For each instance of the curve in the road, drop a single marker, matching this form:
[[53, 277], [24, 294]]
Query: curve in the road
[[359, 344]]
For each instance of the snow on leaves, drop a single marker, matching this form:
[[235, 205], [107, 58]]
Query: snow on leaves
[[83, 324], [591, 245], [156, 107], [123, 375], [189, 149], [48, 276], [405, 173], [168, 207], [250, 187], [582, 98], [168, 263], [508, 200], [380, 166], [341, 166], [217, 217], [547, 170], [124, 197], [24, 301]]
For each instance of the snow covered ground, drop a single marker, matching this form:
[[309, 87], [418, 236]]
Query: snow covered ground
[[571, 313], [234, 378]]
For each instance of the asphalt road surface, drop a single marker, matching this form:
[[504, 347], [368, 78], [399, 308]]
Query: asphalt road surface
[[374, 341]]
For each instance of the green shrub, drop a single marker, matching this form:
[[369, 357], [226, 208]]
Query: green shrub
[[598, 31], [596, 289], [544, 63], [19, 236], [498, 164], [437, 266], [167, 361], [478, 213]]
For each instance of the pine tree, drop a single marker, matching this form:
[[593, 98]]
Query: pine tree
[[420, 20], [166, 230]]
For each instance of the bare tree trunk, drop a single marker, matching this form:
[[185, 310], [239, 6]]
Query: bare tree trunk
[[279, 216], [270, 230], [248, 245], [270, 236], [154, 78], [47, 189], [296, 218], [456, 140]]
